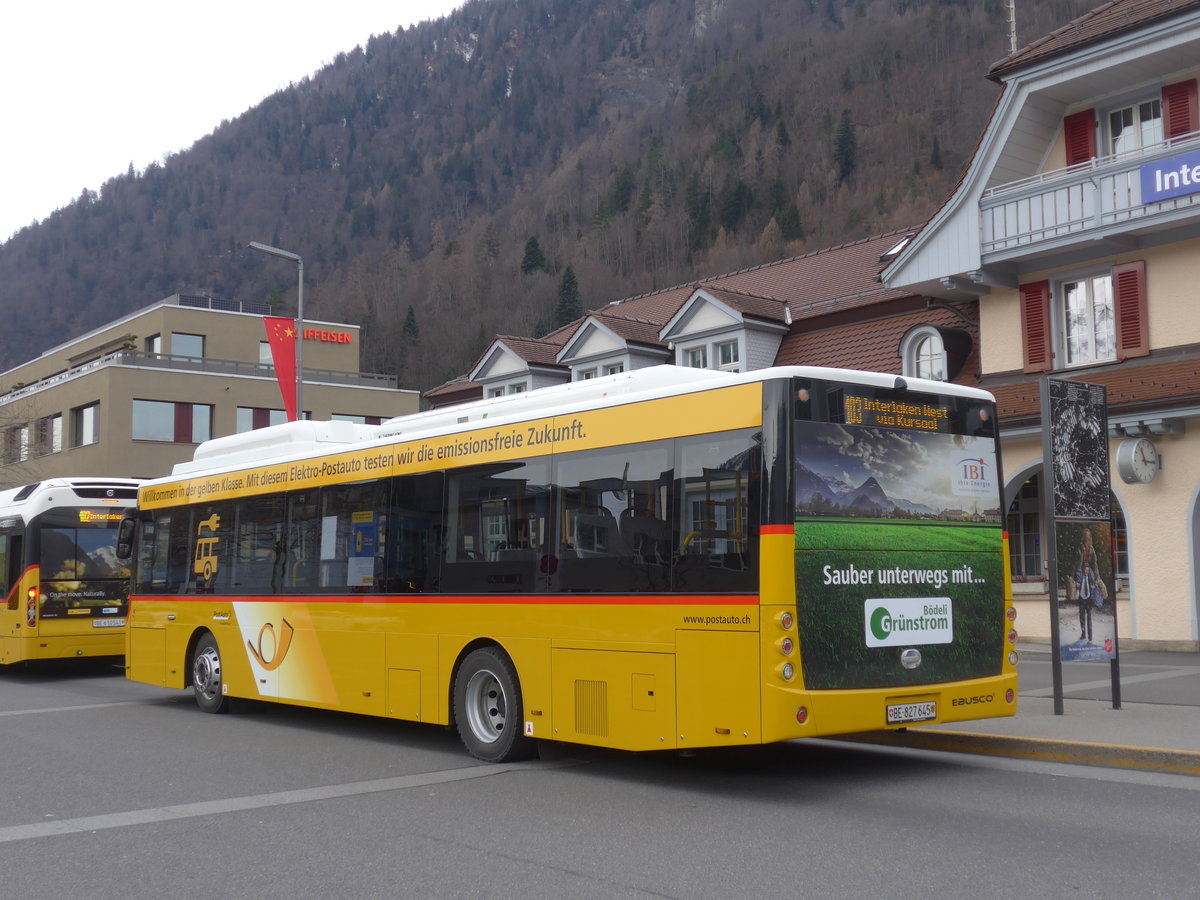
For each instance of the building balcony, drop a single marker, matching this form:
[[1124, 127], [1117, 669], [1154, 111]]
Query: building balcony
[[1094, 201], [163, 361]]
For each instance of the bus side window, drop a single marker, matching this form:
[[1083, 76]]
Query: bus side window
[[9, 545]]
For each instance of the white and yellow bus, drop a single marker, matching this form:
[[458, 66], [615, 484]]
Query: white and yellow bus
[[667, 558], [67, 593]]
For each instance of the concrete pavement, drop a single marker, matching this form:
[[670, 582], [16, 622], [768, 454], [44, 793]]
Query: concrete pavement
[[1156, 729]]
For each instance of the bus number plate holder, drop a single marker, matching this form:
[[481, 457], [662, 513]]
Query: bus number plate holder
[[906, 713]]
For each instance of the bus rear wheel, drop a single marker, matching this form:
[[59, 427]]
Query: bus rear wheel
[[487, 707], [206, 676]]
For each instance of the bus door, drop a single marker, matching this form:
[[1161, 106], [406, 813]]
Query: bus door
[[17, 617]]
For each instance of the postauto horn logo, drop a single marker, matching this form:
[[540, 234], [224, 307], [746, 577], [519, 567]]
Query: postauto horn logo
[[906, 621]]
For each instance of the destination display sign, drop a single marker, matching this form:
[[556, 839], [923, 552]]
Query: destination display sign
[[914, 415]]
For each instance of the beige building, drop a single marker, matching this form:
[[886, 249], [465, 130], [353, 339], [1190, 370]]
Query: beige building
[[1077, 228], [136, 396]]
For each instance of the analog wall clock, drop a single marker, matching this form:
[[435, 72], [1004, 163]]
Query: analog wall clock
[[1137, 460]]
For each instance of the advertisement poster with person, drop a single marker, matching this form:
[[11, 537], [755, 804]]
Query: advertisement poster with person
[[1087, 591]]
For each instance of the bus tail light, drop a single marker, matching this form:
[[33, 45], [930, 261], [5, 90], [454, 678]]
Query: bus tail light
[[1012, 657], [31, 607], [802, 714], [1008, 695], [1011, 614], [786, 646], [786, 671], [786, 621], [1012, 635]]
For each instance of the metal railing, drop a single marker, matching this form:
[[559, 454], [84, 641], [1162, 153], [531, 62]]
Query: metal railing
[[166, 361], [1078, 201]]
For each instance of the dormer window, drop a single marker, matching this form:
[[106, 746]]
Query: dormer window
[[925, 354], [1135, 127], [697, 357]]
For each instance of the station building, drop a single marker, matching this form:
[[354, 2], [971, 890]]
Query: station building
[[136, 396]]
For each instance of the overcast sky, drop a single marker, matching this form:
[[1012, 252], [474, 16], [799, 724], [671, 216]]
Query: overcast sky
[[86, 88]]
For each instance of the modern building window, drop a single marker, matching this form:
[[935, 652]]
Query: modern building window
[[153, 344], [191, 345], [696, 357], [924, 354], [265, 357], [179, 423], [727, 356], [16, 444], [50, 434], [1088, 327], [252, 418], [1135, 127], [85, 425]]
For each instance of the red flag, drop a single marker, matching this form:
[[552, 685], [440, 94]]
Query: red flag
[[281, 335]]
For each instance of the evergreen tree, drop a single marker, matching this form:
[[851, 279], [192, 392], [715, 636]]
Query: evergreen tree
[[845, 148], [410, 332], [533, 260], [570, 307]]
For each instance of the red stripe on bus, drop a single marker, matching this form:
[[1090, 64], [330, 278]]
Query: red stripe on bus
[[776, 529], [487, 599]]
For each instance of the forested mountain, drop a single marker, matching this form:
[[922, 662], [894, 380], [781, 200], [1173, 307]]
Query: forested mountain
[[441, 182]]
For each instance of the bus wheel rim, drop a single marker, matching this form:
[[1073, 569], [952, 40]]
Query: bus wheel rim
[[207, 672], [486, 706]]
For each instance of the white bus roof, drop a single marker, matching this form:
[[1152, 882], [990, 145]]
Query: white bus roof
[[301, 439]]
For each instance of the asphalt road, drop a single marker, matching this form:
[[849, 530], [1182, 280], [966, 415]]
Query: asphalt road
[[1146, 677], [120, 790]]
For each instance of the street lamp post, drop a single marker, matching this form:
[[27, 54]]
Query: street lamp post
[[285, 254]]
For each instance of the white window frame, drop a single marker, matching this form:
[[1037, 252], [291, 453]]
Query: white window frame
[[614, 369], [693, 354], [919, 356], [1142, 128], [586, 375], [1077, 327], [734, 363]]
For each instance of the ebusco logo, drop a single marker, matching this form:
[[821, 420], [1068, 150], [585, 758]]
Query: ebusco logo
[[907, 621]]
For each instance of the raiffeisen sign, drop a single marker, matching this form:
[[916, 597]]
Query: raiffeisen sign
[[1174, 177]]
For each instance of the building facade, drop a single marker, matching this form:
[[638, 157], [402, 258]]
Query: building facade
[[136, 396], [1076, 227]]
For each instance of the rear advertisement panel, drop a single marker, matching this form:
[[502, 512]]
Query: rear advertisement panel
[[899, 543]]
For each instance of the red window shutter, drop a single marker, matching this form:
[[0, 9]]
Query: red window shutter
[[1035, 326], [1129, 298], [1080, 132], [1179, 109]]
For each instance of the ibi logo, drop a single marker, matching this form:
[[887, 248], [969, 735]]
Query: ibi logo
[[908, 621], [973, 469]]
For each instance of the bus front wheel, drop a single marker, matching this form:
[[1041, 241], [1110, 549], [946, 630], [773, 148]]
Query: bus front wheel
[[206, 676], [487, 707]]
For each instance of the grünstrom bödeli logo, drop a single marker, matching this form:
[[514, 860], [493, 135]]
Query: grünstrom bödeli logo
[[906, 621]]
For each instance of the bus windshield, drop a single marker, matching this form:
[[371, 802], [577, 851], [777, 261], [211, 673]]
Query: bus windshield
[[81, 574]]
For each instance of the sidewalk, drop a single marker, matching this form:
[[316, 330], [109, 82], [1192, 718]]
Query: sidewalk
[[1157, 728]]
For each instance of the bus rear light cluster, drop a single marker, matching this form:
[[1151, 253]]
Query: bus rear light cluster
[[31, 607], [786, 645]]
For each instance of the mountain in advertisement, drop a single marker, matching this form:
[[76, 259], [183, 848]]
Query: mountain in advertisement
[[868, 498]]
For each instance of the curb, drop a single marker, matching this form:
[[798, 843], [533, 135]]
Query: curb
[[1142, 759]]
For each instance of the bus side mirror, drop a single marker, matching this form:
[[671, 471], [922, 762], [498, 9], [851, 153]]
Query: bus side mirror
[[125, 534]]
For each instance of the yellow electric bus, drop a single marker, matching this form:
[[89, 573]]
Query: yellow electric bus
[[67, 593], [666, 558]]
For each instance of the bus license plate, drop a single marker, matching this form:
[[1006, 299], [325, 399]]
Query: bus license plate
[[903, 713], [108, 623]]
